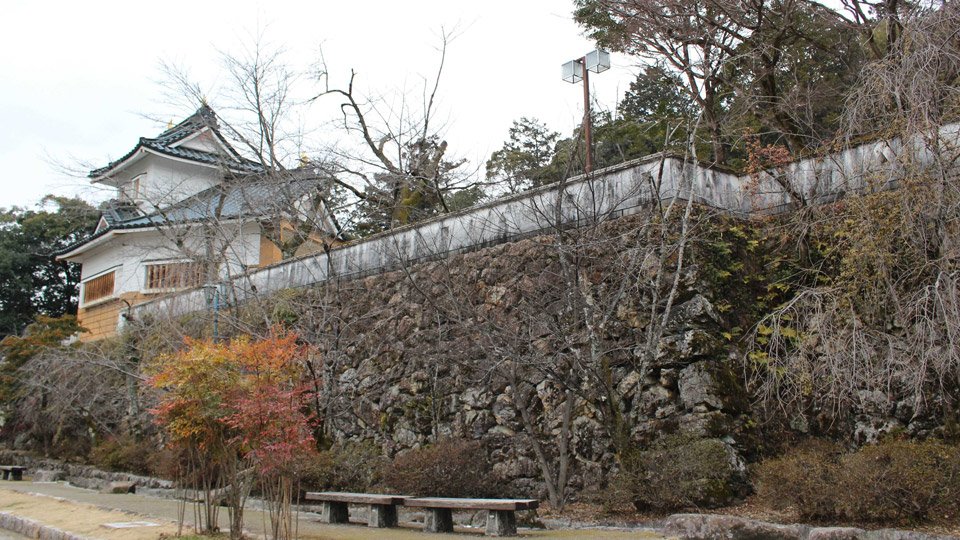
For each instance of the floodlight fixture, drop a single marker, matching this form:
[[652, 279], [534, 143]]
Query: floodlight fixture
[[577, 70], [573, 71], [597, 61]]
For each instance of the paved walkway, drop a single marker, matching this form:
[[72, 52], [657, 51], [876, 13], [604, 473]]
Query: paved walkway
[[60, 504]]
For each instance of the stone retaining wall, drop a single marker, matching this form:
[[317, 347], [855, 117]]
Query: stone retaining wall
[[85, 476], [34, 529]]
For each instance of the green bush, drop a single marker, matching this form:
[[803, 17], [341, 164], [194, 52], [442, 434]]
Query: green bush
[[680, 472], [124, 454], [891, 482], [449, 468], [350, 466]]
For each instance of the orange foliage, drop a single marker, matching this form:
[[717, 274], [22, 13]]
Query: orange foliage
[[245, 394]]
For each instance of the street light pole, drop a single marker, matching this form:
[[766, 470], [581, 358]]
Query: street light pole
[[574, 71], [587, 138]]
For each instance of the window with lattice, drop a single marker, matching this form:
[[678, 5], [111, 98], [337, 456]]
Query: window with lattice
[[98, 288], [176, 275]]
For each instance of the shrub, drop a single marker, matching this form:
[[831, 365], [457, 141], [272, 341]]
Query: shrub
[[350, 466], [901, 480], [681, 472], [124, 454], [804, 478], [893, 481], [449, 468], [170, 463]]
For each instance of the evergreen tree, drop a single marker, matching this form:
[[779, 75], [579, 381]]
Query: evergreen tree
[[32, 281]]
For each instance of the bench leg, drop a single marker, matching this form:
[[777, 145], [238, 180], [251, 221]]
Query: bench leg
[[501, 523], [438, 520], [17, 474], [335, 512], [6, 475], [383, 515]]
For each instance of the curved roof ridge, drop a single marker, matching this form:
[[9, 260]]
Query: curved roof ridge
[[202, 118]]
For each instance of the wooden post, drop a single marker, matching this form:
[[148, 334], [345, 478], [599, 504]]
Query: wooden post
[[587, 121]]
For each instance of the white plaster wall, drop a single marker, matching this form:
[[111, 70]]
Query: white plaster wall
[[615, 191], [243, 250], [168, 181], [205, 142], [129, 253], [620, 190], [163, 180], [115, 255]]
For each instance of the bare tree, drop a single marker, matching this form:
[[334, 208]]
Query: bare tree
[[696, 38], [402, 172], [875, 323]]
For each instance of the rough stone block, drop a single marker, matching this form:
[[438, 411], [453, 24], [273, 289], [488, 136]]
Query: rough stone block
[[49, 476], [501, 523], [334, 512], [708, 527], [382, 515], [896, 534], [698, 311], [835, 533], [438, 520], [120, 487]]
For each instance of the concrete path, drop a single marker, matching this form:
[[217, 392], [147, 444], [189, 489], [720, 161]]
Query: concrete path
[[139, 507]]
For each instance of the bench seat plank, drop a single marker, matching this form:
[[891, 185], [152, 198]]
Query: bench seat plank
[[472, 504], [356, 498]]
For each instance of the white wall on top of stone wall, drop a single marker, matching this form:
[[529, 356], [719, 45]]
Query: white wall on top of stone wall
[[623, 189], [619, 190]]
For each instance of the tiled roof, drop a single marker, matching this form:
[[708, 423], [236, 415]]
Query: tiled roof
[[250, 199], [115, 212], [204, 117]]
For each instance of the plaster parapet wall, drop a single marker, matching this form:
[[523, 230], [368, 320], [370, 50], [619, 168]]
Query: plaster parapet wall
[[619, 190]]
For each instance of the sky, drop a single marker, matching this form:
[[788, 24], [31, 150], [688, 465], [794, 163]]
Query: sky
[[80, 81]]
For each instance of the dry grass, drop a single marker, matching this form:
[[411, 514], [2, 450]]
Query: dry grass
[[88, 520], [79, 518]]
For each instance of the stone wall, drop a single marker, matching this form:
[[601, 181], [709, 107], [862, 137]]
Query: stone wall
[[417, 355], [417, 326], [85, 476]]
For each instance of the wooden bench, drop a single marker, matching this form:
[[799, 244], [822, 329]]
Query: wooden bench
[[15, 470], [501, 513], [383, 508]]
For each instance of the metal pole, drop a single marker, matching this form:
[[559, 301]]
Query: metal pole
[[588, 139], [216, 314]]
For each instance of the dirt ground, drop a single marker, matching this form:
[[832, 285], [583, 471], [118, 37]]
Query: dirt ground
[[88, 520], [80, 519]]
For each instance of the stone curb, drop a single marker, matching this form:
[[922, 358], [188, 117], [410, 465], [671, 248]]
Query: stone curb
[[34, 529], [712, 526]]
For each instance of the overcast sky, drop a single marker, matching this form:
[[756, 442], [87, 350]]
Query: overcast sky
[[79, 79]]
